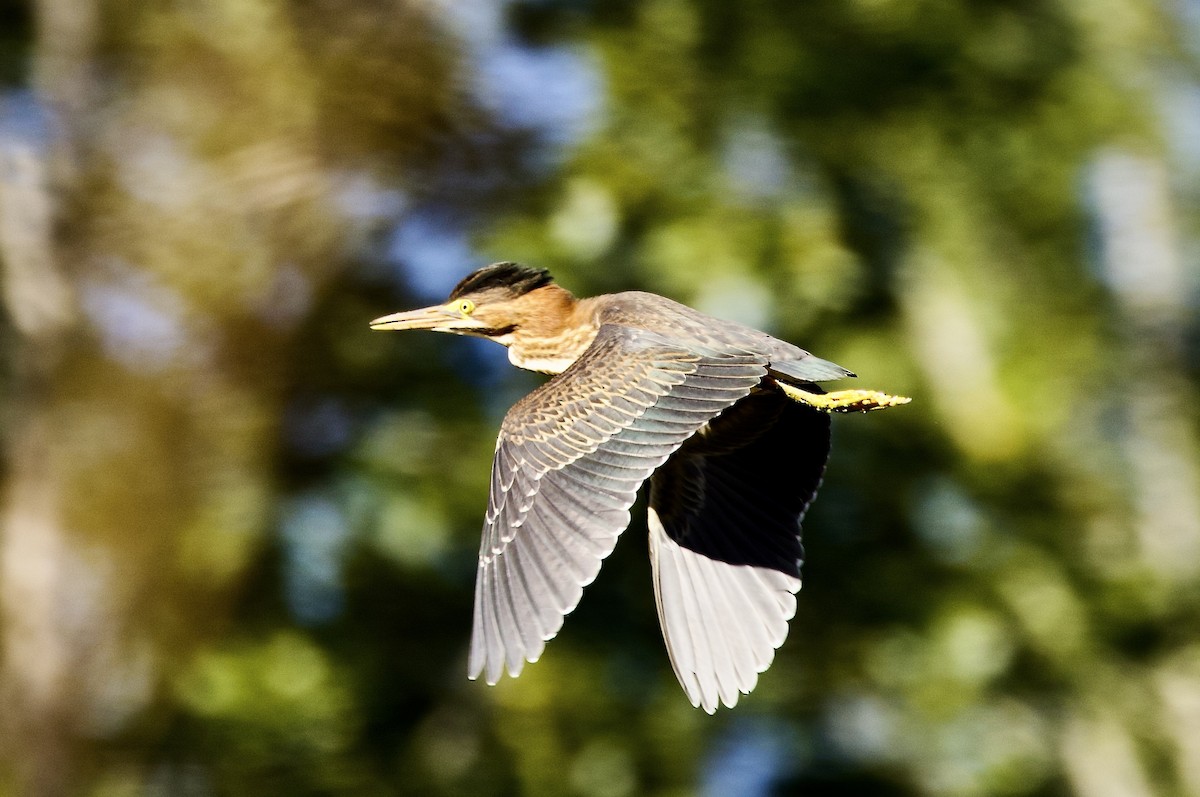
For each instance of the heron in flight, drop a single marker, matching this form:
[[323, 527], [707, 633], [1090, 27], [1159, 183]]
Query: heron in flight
[[727, 422]]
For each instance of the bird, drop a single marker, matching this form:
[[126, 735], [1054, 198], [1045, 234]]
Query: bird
[[726, 422]]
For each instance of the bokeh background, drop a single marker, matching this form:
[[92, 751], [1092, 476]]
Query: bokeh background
[[239, 528]]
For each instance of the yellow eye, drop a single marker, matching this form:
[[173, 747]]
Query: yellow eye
[[465, 306]]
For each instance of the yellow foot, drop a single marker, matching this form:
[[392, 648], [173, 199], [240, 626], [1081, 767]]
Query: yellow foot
[[844, 400]]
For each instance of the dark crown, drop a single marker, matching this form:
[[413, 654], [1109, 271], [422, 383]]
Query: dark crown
[[511, 278]]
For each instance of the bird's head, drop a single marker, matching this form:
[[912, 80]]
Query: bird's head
[[495, 302]]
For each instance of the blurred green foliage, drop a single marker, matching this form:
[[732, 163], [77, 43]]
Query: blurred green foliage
[[240, 528]]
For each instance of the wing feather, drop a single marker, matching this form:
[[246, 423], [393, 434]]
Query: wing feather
[[725, 542], [569, 461]]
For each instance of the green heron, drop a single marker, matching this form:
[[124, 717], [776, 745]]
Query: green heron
[[728, 420]]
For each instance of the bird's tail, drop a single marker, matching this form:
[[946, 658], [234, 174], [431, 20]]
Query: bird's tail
[[807, 369]]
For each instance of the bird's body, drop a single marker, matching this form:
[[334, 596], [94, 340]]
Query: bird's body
[[726, 422]]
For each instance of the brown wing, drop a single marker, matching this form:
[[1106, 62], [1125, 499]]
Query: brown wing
[[725, 541], [569, 461]]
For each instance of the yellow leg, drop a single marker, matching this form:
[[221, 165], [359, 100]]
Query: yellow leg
[[844, 400]]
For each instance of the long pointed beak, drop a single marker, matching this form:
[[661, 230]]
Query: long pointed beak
[[437, 317]]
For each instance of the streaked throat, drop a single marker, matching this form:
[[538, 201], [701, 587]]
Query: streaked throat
[[551, 354]]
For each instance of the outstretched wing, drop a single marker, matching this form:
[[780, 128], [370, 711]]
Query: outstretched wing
[[725, 541], [568, 464]]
